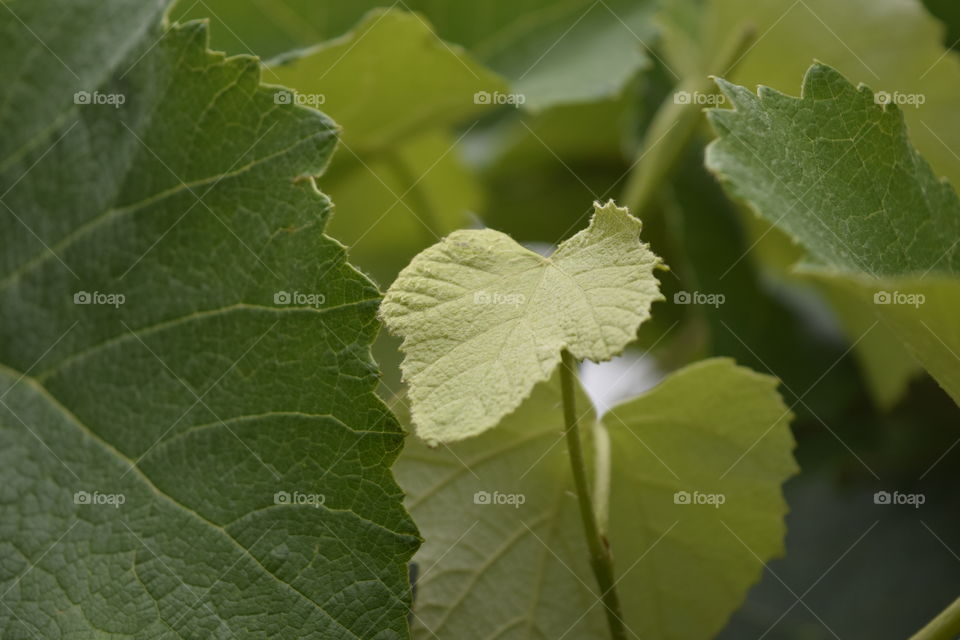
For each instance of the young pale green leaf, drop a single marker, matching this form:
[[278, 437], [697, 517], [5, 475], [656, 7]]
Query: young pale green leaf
[[190, 444], [836, 171], [695, 509], [484, 319]]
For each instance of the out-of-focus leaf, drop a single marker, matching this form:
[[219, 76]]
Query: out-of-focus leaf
[[552, 161], [550, 52], [398, 202], [504, 555], [753, 315], [389, 78], [920, 312], [396, 89], [949, 12], [887, 366]]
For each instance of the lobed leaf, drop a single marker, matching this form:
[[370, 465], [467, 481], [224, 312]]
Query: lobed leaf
[[484, 319], [835, 169], [504, 555], [389, 78], [190, 444], [551, 53], [396, 89]]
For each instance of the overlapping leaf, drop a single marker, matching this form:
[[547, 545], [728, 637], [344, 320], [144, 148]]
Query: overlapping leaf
[[695, 508], [893, 46], [396, 89], [190, 441], [836, 170], [389, 78], [550, 52]]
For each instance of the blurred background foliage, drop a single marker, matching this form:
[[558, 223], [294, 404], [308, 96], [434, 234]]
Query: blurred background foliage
[[426, 149]]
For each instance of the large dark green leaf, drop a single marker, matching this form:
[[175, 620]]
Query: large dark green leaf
[[190, 442], [835, 169]]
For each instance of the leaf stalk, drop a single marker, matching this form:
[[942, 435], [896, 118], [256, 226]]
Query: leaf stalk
[[673, 127], [601, 561]]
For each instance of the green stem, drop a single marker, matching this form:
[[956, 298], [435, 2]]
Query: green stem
[[600, 558], [945, 626], [672, 128]]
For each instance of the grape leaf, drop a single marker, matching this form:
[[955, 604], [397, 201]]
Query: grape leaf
[[891, 45], [886, 365], [927, 330], [191, 445], [949, 13], [400, 202], [396, 89], [836, 171], [552, 53], [839, 170], [389, 78], [504, 555], [484, 319]]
